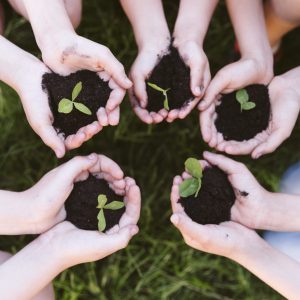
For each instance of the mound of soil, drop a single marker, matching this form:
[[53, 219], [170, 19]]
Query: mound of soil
[[239, 126], [94, 94], [171, 72], [81, 206], [214, 200]]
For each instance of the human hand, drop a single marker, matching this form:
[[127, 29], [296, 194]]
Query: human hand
[[67, 52], [228, 239], [234, 76]]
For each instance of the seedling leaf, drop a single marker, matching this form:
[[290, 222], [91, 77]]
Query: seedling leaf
[[166, 103], [188, 187], [156, 87], [193, 166], [248, 105], [81, 107], [114, 205], [242, 96], [65, 106], [102, 199], [101, 220], [76, 90]]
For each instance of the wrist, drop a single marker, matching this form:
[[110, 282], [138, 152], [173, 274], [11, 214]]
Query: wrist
[[156, 43]]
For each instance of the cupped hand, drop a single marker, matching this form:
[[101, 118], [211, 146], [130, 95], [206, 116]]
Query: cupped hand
[[140, 71], [72, 246], [67, 53], [228, 239], [234, 76]]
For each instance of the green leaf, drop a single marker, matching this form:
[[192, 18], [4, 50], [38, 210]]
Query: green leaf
[[193, 166], [242, 96], [77, 89], [102, 199], [188, 187], [65, 106], [166, 103], [101, 221], [81, 107], [248, 105], [114, 205], [156, 87], [199, 187]]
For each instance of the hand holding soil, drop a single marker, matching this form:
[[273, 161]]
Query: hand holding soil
[[68, 53], [99, 94], [105, 178], [45, 200], [168, 73], [234, 127]]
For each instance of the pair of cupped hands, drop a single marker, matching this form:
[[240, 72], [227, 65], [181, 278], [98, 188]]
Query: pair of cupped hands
[[42, 209], [85, 54]]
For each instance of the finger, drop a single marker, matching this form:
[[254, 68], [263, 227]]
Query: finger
[[102, 116], [91, 129], [75, 140], [139, 87], [175, 196], [240, 148], [119, 184], [177, 180], [216, 86], [106, 165], [226, 164], [271, 144], [184, 111], [133, 207], [115, 99], [196, 82], [157, 118], [114, 117], [172, 115], [143, 114], [49, 136], [206, 123]]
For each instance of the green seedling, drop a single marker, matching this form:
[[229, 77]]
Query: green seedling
[[191, 186], [164, 92], [114, 205], [242, 97], [65, 105]]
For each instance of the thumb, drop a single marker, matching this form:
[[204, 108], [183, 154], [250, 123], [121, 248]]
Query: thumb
[[49, 136]]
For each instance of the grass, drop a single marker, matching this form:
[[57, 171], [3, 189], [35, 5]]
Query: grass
[[157, 264]]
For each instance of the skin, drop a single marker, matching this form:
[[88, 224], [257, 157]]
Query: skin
[[153, 39], [35, 100], [63, 245], [234, 239], [281, 17], [256, 63], [285, 105]]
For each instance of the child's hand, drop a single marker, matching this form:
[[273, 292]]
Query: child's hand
[[234, 76], [72, 246], [285, 106], [228, 239], [141, 69], [67, 52]]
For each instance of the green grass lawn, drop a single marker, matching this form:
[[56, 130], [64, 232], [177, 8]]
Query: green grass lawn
[[157, 264]]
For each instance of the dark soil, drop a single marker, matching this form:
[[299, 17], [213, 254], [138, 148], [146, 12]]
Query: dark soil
[[239, 126], [82, 202], [171, 72], [94, 94], [214, 201]]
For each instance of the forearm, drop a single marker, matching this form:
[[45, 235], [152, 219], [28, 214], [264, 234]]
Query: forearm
[[292, 79], [15, 214], [273, 267], [148, 21], [249, 25], [281, 212], [48, 20], [193, 20], [15, 64], [29, 271]]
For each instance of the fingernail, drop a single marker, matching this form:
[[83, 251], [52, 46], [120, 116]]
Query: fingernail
[[258, 155], [197, 90], [207, 154], [92, 156], [175, 219], [128, 82], [59, 153]]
